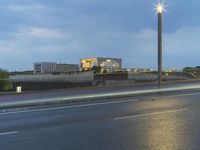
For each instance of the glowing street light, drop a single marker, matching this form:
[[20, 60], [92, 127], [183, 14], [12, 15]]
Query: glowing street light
[[160, 9]]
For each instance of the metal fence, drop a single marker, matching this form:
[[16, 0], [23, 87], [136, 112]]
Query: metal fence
[[86, 79]]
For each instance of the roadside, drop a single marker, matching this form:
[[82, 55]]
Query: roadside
[[136, 85], [77, 95]]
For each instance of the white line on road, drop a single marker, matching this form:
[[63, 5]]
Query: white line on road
[[73, 106], [150, 114], [182, 95], [8, 133]]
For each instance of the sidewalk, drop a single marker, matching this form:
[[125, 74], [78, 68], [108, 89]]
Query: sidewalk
[[73, 95]]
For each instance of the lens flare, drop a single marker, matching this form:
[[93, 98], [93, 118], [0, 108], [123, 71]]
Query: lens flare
[[160, 7]]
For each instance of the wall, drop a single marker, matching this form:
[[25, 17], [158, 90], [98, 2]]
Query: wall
[[152, 77], [82, 76]]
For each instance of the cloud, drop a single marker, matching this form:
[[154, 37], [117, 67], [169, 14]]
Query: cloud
[[180, 48], [28, 44], [50, 30], [38, 32], [138, 49], [26, 7]]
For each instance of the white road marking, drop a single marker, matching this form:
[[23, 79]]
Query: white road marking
[[73, 106], [150, 114], [8, 133], [182, 95]]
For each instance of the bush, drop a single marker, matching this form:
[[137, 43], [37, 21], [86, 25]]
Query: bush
[[96, 69], [4, 83]]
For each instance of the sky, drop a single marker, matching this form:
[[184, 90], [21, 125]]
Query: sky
[[67, 30]]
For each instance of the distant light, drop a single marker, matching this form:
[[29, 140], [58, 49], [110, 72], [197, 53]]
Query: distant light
[[160, 7]]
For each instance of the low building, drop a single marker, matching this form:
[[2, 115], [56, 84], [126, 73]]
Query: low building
[[64, 68], [52, 67], [106, 64], [44, 67]]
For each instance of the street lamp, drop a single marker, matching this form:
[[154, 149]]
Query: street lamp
[[160, 9]]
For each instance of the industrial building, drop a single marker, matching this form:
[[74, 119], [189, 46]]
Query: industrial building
[[64, 68], [53, 67], [108, 64]]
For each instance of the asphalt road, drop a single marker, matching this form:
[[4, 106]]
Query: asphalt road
[[66, 93], [167, 122]]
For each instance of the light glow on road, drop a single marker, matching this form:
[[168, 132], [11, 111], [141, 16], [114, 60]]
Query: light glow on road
[[8, 133], [150, 114]]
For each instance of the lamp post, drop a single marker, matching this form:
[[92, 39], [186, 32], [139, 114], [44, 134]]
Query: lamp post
[[160, 9]]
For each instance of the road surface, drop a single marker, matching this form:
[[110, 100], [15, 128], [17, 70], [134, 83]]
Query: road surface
[[65, 96], [158, 122]]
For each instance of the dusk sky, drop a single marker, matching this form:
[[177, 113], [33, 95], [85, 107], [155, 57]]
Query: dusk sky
[[67, 30]]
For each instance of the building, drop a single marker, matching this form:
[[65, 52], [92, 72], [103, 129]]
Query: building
[[64, 68], [52, 67], [44, 67], [108, 64]]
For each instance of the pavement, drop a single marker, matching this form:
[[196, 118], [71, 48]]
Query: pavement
[[168, 121], [76, 95]]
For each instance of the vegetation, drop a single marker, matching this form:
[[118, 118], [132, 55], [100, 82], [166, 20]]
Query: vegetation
[[96, 69], [105, 71], [188, 68], [5, 84], [21, 72], [193, 71], [191, 68]]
